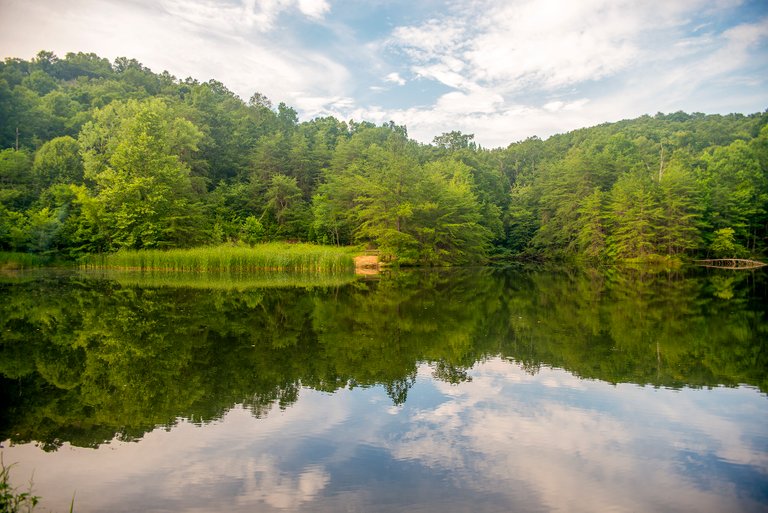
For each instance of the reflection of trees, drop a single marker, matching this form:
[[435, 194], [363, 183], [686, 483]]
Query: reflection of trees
[[379, 333], [86, 360], [631, 326]]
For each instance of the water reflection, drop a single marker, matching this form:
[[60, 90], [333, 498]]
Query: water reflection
[[508, 440], [447, 393]]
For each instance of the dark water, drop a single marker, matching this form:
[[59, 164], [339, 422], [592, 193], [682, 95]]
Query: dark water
[[481, 390]]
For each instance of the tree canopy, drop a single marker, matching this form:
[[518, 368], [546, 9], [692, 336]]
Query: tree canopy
[[97, 156]]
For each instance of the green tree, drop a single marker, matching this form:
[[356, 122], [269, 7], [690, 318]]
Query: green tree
[[724, 244], [252, 231], [416, 214], [15, 179], [41, 228], [521, 218], [447, 216], [385, 185], [286, 207], [681, 208], [737, 191], [592, 230], [635, 218], [133, 152], [454, 140], [58, 161], [40, 82], [561, 189]]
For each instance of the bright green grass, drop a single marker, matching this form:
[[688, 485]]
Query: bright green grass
[[273, 256], [11, 260]]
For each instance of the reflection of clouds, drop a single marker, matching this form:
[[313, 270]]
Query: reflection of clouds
[[579, 445], [245, 481], [238, 461], [266, 483], [548, 441]]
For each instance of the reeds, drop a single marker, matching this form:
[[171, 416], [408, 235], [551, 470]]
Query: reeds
[[12, 260], [273, 256]]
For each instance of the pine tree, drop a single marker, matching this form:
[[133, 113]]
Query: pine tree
[[635, 218], [681, 208]]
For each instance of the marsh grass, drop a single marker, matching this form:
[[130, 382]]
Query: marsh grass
[[11, 260], [227, 258]]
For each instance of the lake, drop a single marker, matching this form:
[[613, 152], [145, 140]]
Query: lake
[[481, 390]]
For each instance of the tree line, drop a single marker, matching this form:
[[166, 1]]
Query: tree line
[[101, 156]]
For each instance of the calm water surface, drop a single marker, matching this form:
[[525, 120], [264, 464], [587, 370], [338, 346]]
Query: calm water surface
[[481, 390]]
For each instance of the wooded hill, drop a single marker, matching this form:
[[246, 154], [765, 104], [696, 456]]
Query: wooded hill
[[100, 156]]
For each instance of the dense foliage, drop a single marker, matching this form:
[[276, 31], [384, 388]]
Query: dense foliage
[[98, 156]]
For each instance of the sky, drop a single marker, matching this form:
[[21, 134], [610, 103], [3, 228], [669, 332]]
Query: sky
[[503, 70]]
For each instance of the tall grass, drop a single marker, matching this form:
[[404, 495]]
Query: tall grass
[[11, 260], [11, 499], [273, 256]]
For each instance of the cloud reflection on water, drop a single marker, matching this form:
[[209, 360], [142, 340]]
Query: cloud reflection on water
[[586, 445], [507, 439]]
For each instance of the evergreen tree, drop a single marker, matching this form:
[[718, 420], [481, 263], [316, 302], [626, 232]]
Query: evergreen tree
[[681, 209], [635, 218], [592, 231]]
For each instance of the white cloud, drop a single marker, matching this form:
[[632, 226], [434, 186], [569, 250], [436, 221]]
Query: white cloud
[[531, 43], [554, 106], [395, 77], [443, 73], [557, 105], [552, 45], [313, 106], [469, 103], [493, 124], [215, 17], [314, 8], [431, 40], [264, 482]]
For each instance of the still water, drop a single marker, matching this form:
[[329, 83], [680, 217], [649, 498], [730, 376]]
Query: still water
[[471, 390]]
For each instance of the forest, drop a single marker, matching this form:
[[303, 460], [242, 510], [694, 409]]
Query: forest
[[99, 156]]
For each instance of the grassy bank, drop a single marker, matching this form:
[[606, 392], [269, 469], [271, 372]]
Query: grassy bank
[[226, 258]]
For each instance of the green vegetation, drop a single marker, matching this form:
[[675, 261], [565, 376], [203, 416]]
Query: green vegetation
[[226, 258], [14, 260], [84, 359], [99, 157], [11, 499]]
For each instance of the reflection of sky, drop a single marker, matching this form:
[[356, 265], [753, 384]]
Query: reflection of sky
[[505, 441]]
